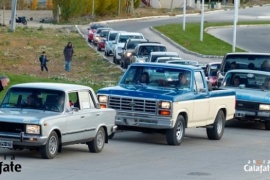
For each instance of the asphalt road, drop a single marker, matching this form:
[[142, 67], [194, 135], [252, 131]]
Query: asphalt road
[[136, 156]]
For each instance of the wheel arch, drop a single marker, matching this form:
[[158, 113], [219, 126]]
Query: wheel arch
[[185, 116]]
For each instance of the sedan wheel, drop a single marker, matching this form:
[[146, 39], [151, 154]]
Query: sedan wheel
[[97, 144], [216, 132], [49, 150]]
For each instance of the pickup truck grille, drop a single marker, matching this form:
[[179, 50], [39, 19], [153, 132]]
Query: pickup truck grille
[[247, 105], [11, 127], [130, 104]]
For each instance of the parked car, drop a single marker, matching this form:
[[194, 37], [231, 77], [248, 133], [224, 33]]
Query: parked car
[[167, 98], [47, 116], [143, 50], [92, 29], [252, 89], [102, 39], [210, 72], [128, 49], [120, 41], [97, 34], [154, 55], [242, 60]]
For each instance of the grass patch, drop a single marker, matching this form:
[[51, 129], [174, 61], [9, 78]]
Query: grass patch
[[190, 38], [20, 51]]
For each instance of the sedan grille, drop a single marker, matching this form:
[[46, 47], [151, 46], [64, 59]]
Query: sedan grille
[[247, 105], [130, 104], [11, 127]]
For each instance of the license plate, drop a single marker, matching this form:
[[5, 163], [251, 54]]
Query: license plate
[[240, 114], [131, 121], [6, 144]]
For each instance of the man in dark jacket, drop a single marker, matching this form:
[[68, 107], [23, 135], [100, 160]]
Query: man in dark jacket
[[68, 53], [43, 61], [4, 80]]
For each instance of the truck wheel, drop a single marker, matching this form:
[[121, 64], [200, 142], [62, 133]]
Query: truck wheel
[[98, 143], [49, 150], [216, 132], [267, 125], [176, 135], [111, 136]]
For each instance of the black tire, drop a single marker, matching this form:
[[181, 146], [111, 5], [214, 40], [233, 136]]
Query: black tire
[[111, 136], [176, 135], [24, 22], [98, 48], [49, 150], [267, 125], [97, 144], [216, 132], [114, 59], [105, 53]]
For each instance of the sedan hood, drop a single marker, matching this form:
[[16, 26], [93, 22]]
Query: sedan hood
[[24, 116]]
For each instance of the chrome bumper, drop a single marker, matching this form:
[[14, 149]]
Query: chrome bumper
[[145, 121], [257, 115], [22, 139]]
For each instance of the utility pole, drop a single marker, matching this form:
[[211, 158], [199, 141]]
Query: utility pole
[[184, 15], [13, 15], [171, 6], [119, 5], [202, 20], [4, 7], [93, 8], [235, 23], [132, 6]]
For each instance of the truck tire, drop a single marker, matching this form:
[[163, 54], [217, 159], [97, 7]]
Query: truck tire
[[216, 132], [49, 150], [267, 125], [176, 135], [97, 144]]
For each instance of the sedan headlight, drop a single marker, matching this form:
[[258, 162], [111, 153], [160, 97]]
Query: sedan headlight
[[32, 129], [129, 54], [102, 99], [264, 107], [164, 105]]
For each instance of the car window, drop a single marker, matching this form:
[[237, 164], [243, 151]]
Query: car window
[[199, 83], [85, 99]]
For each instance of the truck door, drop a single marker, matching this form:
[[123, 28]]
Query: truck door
[[201, 99]]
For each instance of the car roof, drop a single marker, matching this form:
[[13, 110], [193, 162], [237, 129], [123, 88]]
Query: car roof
[[163, 53], [151, 44], [167, 65], [213, 63], [133, 39], [170, 58], [247, 53], [249, 71], [52, 86], [130, 33]]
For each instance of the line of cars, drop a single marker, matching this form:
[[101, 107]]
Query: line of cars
[[134, 50]]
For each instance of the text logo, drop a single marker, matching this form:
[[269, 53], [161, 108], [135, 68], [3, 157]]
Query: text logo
[[259, 166]]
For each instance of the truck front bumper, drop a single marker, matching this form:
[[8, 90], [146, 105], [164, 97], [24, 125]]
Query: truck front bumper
[[252, 115], [144, 120]]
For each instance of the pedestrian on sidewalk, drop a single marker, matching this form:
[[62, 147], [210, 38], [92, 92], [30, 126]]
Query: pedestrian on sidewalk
[[4, 80], [68, 54], [43, 61]]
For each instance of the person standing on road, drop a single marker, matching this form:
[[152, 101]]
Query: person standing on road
[[68, 53], [43, 61], [4, 80]]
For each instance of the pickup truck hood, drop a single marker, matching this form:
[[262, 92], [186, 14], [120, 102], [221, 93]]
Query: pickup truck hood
[[24, 116], [120, 45], [253, 95], [148, 92]]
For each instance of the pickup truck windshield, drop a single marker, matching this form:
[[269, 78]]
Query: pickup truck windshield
[[247, 80], [157, 77], [244, 61]]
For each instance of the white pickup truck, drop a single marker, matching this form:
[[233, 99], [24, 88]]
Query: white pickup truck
[[159, 103]]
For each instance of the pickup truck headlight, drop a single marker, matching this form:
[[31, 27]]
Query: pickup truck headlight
[[129, 54], [264, 107], [102, 99], [32, 129], [164, 105]]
